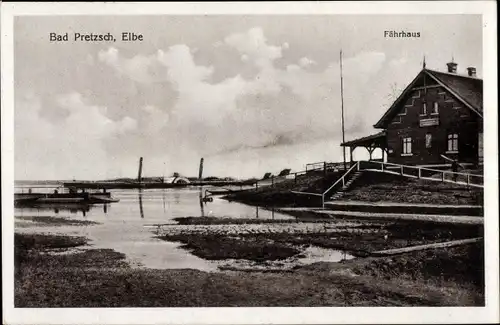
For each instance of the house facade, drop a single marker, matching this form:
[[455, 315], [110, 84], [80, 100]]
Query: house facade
[[439, 113]]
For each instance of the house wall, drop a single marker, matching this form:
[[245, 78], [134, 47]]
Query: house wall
[[453, 117]]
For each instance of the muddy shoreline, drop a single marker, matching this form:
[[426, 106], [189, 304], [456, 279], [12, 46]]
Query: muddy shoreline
[[65, 271], [102, 278], [221, 238]]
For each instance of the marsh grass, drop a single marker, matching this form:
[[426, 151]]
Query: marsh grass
[[102, 278]]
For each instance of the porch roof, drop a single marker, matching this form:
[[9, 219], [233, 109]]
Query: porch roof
[[378, 140]]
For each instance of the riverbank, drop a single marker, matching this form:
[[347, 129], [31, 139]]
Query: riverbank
[[64, 271], [368, 187]]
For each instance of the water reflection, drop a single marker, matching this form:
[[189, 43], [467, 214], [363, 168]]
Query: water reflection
[[119, 228], [141, 209], [177, 197], [159, 205], [202, 208], [57, 208]]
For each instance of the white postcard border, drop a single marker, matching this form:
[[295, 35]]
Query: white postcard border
[[294, 315]]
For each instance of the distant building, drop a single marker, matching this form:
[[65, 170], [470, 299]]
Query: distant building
[[439, 113]]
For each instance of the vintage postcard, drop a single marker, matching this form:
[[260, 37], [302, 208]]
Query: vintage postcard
[[250, 163]]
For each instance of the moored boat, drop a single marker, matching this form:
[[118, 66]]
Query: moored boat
[[63, 198]]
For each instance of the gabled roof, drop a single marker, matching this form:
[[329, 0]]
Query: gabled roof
[[373, 140], [468, 90], [465, 88]]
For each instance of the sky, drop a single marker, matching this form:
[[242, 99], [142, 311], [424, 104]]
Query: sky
[[249, 94]]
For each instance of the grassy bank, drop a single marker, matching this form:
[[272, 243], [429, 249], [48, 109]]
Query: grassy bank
[[101, 278], [370, 187], [375, 187], [279, 194]]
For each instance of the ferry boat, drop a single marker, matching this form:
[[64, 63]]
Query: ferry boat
[[72, 196]]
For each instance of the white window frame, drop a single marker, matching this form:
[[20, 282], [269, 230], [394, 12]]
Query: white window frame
[[424, 110], [407, 147], [398, 121], [452, 143], [435, 109]]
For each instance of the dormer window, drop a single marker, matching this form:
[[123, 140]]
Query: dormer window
[[435, 109]]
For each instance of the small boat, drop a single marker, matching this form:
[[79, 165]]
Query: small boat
[[63, 198]]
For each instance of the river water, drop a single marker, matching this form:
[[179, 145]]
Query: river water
[[126, 226]]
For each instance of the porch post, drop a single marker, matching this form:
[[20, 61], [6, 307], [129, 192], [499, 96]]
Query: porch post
[[370, 151], [351, 150]]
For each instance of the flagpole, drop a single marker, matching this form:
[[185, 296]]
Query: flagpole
[[342, 106]]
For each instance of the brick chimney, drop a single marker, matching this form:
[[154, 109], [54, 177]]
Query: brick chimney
[[471, 72], [452, 67]]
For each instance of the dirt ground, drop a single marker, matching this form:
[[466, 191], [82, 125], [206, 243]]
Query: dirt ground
[[52, 271]]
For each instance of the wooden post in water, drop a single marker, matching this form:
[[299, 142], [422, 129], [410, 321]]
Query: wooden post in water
[[200, 171], [139, 174]]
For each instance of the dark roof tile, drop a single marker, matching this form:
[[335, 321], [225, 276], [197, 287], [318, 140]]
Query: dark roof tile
[[467, 88]]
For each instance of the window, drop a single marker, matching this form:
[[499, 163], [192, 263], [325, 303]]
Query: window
[[406, 147], [428, 140], [453, 142], [436, 108], [424, 109]]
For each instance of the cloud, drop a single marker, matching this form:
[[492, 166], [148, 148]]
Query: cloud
[[275, 107], [305, 62], [74, 146], [139, 68], [254, 44]]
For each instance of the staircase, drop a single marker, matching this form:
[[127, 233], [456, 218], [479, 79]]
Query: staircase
[[344, 188]]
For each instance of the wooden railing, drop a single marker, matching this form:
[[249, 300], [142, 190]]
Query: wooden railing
[[324, 165], [310, 168], [403, 170], [424, 173], [342, 180]]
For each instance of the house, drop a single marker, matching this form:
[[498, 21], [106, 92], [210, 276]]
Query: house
[[439, 113]]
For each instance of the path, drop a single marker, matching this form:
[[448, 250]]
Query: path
[[428, 246], [397, 216]]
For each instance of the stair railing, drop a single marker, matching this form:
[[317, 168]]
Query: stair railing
[[341, 179], [337, 182]]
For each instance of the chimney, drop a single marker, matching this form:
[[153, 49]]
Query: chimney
[[471, 72], [452, 67]]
